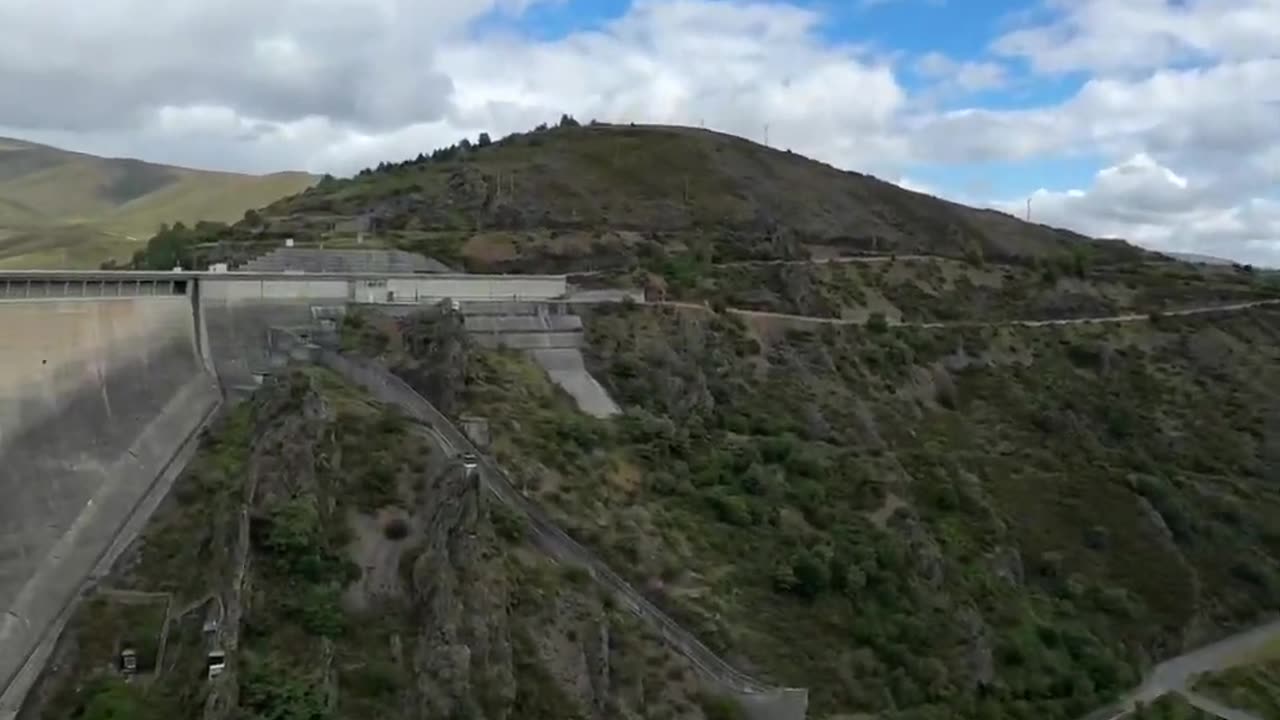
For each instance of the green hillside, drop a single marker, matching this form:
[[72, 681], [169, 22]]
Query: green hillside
[[606, 196], [67, 209]]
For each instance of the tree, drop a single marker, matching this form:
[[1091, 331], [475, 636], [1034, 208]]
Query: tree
[[812, 575], [484, 140], [567, 121]]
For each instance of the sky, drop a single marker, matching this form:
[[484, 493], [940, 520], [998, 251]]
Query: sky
[[1157, 121]]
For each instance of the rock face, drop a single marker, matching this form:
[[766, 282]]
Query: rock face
[[436, 343], [501, 633]]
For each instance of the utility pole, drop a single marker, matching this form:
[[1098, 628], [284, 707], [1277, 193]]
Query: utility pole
[[766, 133], [1028, 209]]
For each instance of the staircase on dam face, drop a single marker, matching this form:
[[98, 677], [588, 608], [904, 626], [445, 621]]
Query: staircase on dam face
[[551, 336]]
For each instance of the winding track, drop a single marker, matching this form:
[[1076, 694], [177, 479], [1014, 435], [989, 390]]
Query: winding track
[[1176, 675], [1125, 318]]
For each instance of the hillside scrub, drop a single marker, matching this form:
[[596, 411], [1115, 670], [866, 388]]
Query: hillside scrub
[[597, 196], [1254, 688], [942, 290], [984, 523], [278, 530]]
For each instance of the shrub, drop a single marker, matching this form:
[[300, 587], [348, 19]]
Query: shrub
[[396, 529], [719, 707], [877, 322]]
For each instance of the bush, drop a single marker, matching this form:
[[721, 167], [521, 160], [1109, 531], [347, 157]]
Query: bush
[[719, 707], [113, 699], [396, 529], [877, 322]]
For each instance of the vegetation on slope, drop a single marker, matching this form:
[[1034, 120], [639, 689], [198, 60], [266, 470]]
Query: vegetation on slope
[[990, 523], [600, 196], [66, 209], [356, 573], [1171, 707], [930, 289], [1254, 688]]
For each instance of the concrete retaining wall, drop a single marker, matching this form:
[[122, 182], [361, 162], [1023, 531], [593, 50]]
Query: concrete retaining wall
[[236, 335], [522, 323], [96, 397], [566, 368], [529, 340], [391, 288], [273, 289], [509, 287]]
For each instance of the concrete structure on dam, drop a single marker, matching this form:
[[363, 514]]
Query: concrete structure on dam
[[106, 379]]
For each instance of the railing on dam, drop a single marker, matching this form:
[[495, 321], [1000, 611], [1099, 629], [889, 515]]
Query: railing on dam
[[35, 289]]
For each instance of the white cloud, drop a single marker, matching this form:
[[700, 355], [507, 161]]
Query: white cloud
[[336, 85], [1143, 201], [964, 75], [1122, 35]]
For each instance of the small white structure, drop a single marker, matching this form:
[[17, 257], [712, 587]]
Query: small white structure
[[218, 267], [216, 662], [288, 242], [469, 464]]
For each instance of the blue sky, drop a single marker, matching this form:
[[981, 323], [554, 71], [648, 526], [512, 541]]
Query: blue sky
[[1149, 120], [898, 30]]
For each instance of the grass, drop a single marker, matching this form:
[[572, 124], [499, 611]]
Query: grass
[[1254, 687], [1171, 707], [64, 209], [942, 290]]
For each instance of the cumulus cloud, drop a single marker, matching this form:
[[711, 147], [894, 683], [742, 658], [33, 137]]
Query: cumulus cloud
[[1180, 102], [1143, 201], [1106, 35], [965, 75]]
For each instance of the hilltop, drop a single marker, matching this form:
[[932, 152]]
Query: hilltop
[[576, 197], [68, 209]]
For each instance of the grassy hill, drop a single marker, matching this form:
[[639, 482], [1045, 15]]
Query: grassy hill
[[68, 209], [606, 196]]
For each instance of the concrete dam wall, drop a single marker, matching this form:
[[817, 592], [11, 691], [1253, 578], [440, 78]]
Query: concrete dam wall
[[96, 397]]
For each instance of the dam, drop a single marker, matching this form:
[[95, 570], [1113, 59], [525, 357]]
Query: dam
[[107, 378]]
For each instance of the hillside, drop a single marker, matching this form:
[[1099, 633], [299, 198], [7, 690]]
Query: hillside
[[68, 209], [924, 461], [351, 570], [994, 522], [608, 197]]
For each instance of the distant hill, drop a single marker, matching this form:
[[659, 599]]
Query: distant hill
[[599, 196], [67, 209], [1198, 258]]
